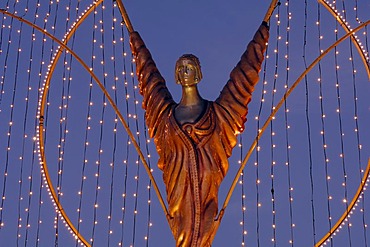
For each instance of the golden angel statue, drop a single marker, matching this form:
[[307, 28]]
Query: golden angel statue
[[195, 137]]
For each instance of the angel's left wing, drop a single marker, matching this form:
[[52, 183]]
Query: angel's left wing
[[237, 93]]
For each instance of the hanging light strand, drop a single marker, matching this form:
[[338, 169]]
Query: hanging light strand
[[34, 150], [357, 129], [287, 125], [323, 122], [2, 39], [256, 163], [113, 164], [242, 193], [101, 131], [272, 130], [128, 142], [87, 130], [147, 149], [21, 157], [308, 123], [340, 121], [40, 73], [137, 162], [8, 148]]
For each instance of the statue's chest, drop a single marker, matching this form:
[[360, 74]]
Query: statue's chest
[[188, 115], [196, 127]]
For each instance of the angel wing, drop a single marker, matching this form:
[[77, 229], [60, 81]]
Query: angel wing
[[237, 93], [156, 96]]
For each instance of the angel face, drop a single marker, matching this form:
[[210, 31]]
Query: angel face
[[186, 73], [187, 70]]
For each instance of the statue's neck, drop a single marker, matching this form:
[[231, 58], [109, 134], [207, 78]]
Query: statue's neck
[[190, 96]]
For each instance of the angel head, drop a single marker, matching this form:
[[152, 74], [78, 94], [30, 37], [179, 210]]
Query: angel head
[[187, 70]]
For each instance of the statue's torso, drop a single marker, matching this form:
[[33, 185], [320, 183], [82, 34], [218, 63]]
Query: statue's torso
[[190, 114]]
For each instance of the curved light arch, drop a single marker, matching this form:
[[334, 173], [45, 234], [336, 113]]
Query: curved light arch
[[347, 28], [269, 119]]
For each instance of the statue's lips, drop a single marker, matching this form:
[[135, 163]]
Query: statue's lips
[[186, 77]]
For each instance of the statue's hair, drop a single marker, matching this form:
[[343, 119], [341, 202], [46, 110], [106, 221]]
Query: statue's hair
[[192, 58]]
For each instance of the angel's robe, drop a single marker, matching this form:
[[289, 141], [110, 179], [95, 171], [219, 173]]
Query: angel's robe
[[194, 156]]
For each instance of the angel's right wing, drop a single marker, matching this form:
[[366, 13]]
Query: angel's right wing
[[152, 85], [237, 93]]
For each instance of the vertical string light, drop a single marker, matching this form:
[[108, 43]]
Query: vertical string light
[[308, 124], [20, 178], [63, 108], [272, 129], [323, 121], [101, 131], [8, 148], [2, 27], [61, 140], [85, 160], [112, 165], [243, 195], [128, 142], [137, 162], [149, 187], [287, 124], [258, 149], [40, 73], [341, 133], [65, 98], [33, 159], [357, 127], [63, 122]]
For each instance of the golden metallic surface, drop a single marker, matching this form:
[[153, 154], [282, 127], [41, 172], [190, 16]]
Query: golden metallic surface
[[194, 138], [270, 10], [125, 17]]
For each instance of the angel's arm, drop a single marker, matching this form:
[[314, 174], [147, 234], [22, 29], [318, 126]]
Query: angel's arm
[[237, 93], [156, 97]]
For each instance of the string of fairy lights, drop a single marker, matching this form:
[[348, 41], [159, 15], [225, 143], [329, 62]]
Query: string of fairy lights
[[97, 174], [340, 120], [20, 179], [323, 122], [272, 127], [357, 128], [63, 113], [287, 124], [110, 230], [308, 124], [22, 157], [127, 141], [9, 132], [86, 137], [99, 162], [33, 159]]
